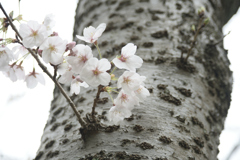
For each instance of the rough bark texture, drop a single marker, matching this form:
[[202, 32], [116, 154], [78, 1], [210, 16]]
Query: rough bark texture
[[183, 117]]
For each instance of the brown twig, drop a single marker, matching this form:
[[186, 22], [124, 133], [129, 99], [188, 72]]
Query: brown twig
[[44, 68], [95, 102], [195, 38]]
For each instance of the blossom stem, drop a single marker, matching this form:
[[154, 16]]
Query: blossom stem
[[111, 97], [99, 52], [44, 68], [113, 70], [115, 91], [95, 102]]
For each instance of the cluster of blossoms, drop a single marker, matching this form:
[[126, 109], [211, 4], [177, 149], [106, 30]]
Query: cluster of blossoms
[[76, 64]]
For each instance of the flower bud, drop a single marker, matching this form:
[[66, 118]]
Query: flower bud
[[193, 28], [18, 18], [54, 34], [201, 12], [70, 46]]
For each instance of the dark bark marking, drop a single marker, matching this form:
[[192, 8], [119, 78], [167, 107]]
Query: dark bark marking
[[122, 4], [81, 99], [58, 111], [160, 34], [67, 127], [130, 118], [206, 136], [155, 18], [110, 26], [102, 100], [184, 91], [111, 128], [160, 60], [162, 86], [52, 154], [183, 128], [126, 141], [64, 141], [49, 144], [138, 128], [53, 119], [178, 6], [39, 155], [64, 122], [165, 139], [181, 118], [195, 121], [139, 10], [199, 141], [110, 2], [196, 149], [55, 126], [184, 145], [103, 44], [188, 67], [145, 146], [127, 25], [147, 44], [210, 146], [134, 38], [155, 11], [169, 98]]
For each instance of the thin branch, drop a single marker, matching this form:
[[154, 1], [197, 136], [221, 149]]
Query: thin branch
[[44, 68], [194, 39], [221, 39], [95, 102]]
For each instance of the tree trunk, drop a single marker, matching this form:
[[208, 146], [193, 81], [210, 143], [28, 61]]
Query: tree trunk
[[184, 116]]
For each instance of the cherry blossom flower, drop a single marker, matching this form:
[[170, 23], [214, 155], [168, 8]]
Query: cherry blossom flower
[[126, 100], [33, 78], [20, 50], [65, 70], [82, 54], [128, 60], [15, 72], [49, 22], [33, 34], [6, 56], [76, 84], [130, 81], [91, 34], [94, 72], [53, 49], [142, 93], [117, 113]]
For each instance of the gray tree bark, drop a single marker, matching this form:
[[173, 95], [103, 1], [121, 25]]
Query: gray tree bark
[[184, 116]]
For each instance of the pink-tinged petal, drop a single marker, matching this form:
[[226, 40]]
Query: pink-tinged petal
[[134, 62], [56, 58], [75, 88], [129, 50], [34, 25], [40, 78], [99, 30], [104, 65], [46, 57], [62, 68], [84, 84], [66, 78], [24, 30], [81, 38], [28, 42], [31, 82], [122, 65], [104, 78]]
